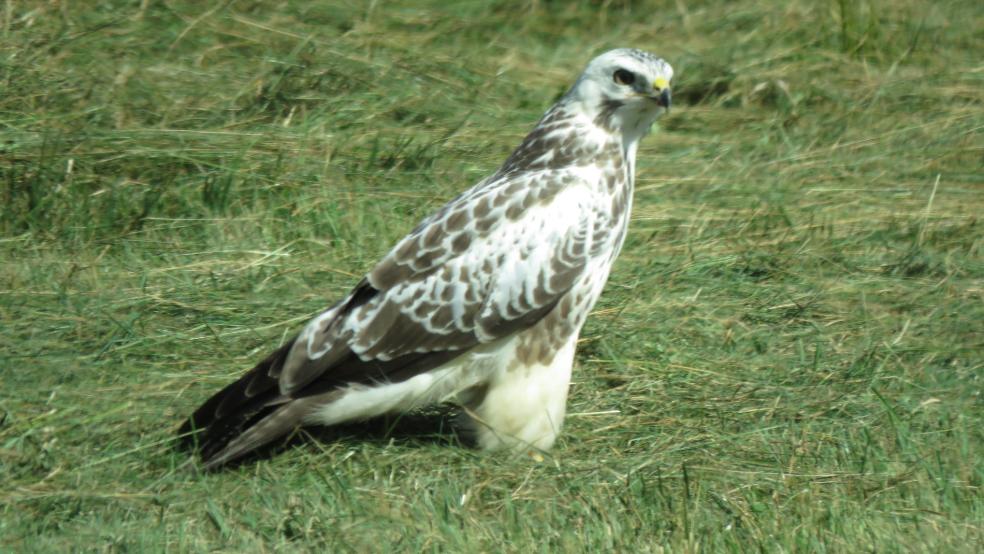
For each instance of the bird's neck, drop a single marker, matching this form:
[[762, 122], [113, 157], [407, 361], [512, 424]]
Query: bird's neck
[[570, 135]]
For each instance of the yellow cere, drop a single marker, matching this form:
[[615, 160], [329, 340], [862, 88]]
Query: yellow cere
[[660, 83]]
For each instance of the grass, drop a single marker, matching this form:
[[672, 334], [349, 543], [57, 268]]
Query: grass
[[788, 355]]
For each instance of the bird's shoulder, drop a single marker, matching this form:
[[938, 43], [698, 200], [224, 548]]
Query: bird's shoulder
[[507, 206]]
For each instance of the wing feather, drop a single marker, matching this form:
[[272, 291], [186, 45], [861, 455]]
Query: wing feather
[[496, 260], [493, 261]]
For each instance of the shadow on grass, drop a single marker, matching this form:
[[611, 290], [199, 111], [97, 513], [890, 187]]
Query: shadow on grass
[[433, 425]]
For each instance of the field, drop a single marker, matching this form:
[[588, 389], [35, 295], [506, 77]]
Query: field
[[788, 356]]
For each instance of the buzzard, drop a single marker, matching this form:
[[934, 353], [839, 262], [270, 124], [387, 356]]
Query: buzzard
[[482, 303]]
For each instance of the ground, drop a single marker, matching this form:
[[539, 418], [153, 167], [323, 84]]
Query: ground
[[787, 357]]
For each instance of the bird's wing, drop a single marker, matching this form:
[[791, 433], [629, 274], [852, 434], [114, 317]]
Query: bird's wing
[[493, 261]]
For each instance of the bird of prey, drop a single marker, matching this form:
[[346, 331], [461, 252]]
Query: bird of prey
[[482, 303]]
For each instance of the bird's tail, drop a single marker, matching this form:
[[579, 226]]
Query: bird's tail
[[244, 416]]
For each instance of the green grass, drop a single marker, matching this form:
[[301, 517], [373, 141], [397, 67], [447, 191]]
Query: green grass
[[788, 356]]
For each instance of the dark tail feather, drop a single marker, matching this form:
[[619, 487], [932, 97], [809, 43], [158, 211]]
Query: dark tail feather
[[268, 425], [251, 412], [236, 408]]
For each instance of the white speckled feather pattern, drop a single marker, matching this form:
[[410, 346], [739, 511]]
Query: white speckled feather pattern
[[482, 303]]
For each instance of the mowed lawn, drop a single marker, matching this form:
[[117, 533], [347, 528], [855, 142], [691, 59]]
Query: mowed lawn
[[788, 356]]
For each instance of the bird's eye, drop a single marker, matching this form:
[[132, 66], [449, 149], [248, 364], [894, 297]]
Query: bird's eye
[[623, 77]]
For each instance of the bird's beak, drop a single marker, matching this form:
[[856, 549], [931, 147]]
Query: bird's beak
[[664, 99], [661, 92]]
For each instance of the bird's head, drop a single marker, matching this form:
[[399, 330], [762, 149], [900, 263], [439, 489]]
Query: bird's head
[[625, 89]]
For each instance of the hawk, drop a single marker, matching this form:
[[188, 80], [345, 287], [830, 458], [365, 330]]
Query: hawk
[[482, 303]]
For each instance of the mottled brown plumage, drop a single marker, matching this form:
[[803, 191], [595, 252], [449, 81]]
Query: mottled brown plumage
[[482, 302]]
